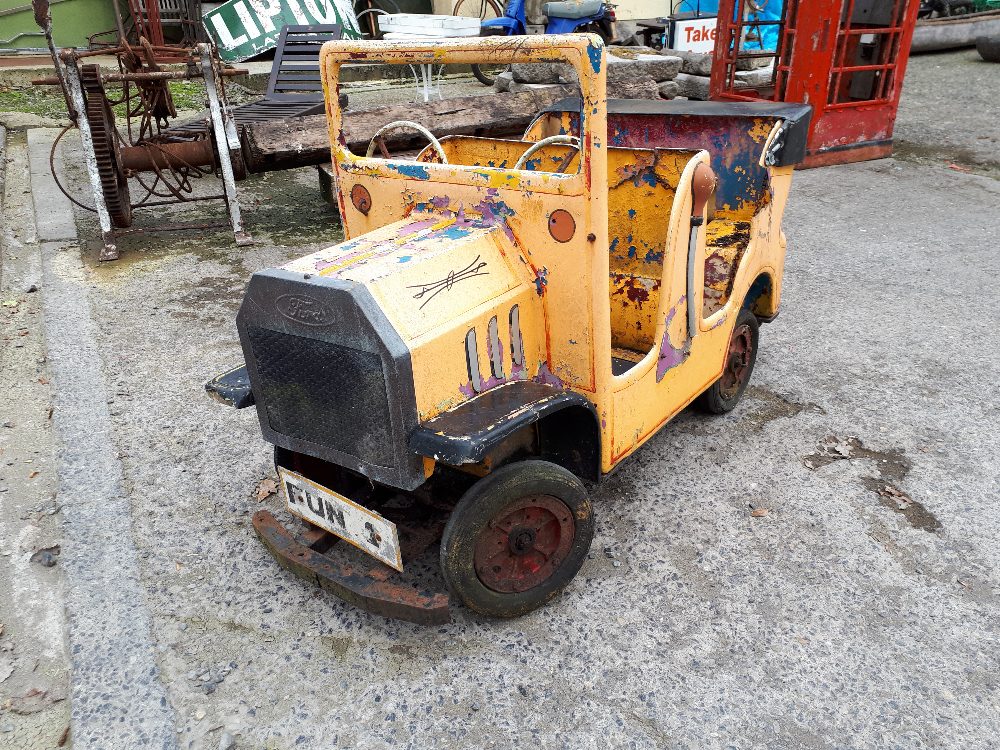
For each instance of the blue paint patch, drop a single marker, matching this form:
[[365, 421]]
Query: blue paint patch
[[541, 280], [416, 171], [352, 244], [632, 251], [405, 258], [631, 213], [613, 245], [454, 233], [653, 257], [532, 165], [594, 53]]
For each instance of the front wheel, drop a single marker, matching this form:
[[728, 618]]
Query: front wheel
[[517, 538], [725, 393]]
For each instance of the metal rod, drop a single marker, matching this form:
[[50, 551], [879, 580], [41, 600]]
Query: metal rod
[[219, 197], [163, 75], [692, 312], [227, 141], [171, 228], [110, 251]]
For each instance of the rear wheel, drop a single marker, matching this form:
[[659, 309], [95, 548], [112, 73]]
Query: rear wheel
[[517, 538], [487, 74], [485, 9], [725, 393], [602, 28]]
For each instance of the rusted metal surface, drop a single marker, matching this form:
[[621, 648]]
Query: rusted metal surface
[[369, 587], [522, 549], [159, 165], [162, 75], [227, 141], [110, 169], [738, 361], [151, 156], [846, 58]]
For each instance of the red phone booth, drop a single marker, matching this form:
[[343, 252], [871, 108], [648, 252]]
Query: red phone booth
[[846, 58]]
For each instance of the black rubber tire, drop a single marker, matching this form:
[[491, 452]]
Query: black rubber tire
[[483, 15], [713, 400], [989, 48], [602, 28], [487, 499]]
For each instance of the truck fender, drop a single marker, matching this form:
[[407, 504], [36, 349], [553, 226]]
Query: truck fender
[[566, 421]]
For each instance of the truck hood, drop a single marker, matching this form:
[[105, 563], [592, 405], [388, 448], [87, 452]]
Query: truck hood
[[424, 270]]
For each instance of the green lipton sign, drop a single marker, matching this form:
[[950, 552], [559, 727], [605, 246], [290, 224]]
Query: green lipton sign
[[244, 28]]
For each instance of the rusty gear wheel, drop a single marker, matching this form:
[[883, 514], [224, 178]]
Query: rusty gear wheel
[[114, 184]]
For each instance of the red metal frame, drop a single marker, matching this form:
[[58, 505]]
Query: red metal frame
[[846, 58]]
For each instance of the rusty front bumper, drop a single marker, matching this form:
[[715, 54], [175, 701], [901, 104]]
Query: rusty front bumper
[[368, 584]]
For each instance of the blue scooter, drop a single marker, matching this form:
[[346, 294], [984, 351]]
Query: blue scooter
[[564, 17]]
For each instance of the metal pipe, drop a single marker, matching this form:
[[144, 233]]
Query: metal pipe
[[152, 156], [163, 75]]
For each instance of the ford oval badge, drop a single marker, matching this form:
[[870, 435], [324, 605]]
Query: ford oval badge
[[301, 308]]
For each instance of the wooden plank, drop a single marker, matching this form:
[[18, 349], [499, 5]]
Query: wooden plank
[[304, 141]]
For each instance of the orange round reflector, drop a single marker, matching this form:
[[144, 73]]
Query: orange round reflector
[[562, 226]]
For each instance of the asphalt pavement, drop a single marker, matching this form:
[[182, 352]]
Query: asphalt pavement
[[817, 569]]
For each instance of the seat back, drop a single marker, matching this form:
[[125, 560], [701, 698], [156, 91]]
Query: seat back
[[641, 187], [295, 72]]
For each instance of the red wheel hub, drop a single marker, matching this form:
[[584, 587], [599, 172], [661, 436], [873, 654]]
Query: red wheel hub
[[737, 362], [525, 544]]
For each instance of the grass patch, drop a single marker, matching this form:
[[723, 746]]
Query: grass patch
[[47, 101]]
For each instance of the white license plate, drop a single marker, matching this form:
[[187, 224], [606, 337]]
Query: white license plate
[[329, 510]]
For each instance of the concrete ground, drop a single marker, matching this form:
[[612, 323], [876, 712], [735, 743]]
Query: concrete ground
[[856, 608]]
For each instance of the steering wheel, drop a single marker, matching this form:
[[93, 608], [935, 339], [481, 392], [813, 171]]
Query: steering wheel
[[397, 125], [567, 140]]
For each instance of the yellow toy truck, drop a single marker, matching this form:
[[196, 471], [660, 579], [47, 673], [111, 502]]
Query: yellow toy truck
[[511, 318]]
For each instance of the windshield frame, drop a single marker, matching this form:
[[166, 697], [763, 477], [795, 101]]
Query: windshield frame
[[582, 51]]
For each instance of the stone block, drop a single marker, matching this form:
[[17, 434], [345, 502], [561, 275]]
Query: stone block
[[697, 63], [692, 87], [640, 87], [669, 89], [503, 81], [517, 86], [660, 67], [753, 63], [754, 78], [629, 52], [545, 72], [654, 66]]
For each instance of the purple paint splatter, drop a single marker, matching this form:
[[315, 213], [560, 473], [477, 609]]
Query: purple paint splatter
[[670, 355], [547, 377]]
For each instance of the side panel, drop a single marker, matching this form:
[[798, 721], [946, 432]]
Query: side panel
[[680, 368]]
